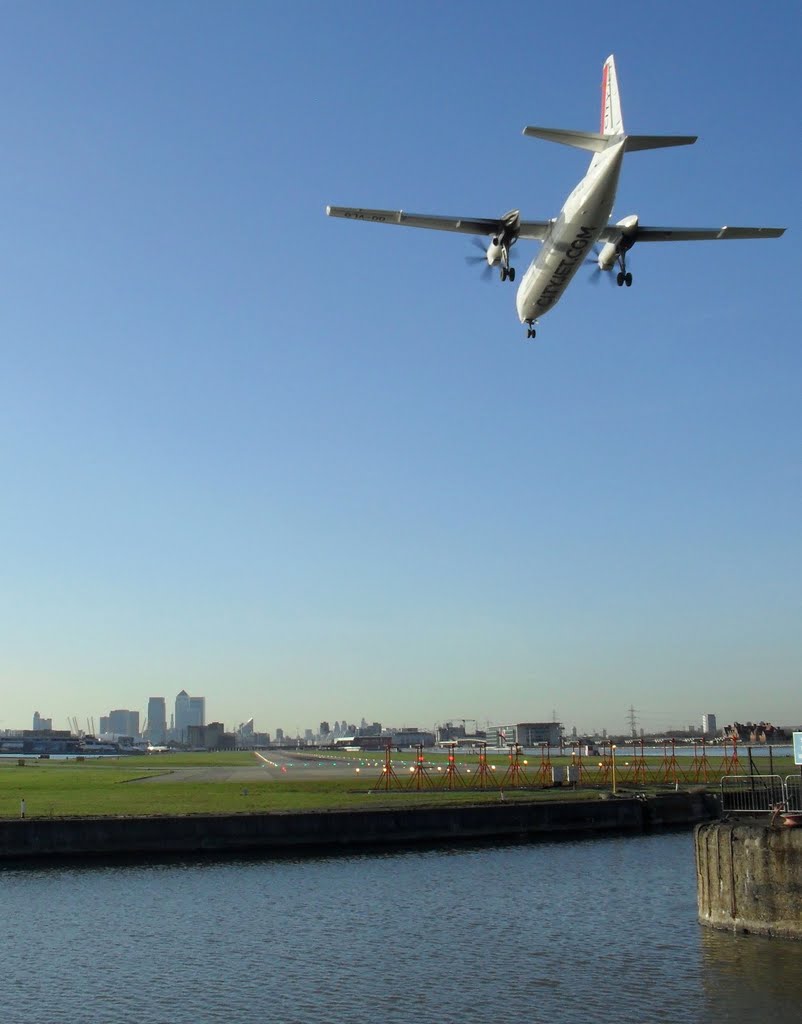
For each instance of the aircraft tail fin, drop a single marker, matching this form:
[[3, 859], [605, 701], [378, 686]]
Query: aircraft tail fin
[[612, 121], [612, 125]]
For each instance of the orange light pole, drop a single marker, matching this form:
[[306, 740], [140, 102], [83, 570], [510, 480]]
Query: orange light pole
[[388, 775], [419, 775], [484, 778], [452, 776]]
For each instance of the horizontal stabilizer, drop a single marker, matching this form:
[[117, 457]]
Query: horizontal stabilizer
[[593, 141], [636, 142], [596, 142]]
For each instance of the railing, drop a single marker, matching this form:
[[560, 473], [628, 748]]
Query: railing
[[793, 793], [752, 794]]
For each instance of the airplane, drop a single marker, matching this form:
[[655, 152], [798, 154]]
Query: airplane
[[583, 223]]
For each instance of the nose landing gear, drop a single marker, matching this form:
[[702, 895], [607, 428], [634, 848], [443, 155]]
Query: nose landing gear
[[531, 332]]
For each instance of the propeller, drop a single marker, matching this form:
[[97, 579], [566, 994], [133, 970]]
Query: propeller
[[487, 270], [597, 271]]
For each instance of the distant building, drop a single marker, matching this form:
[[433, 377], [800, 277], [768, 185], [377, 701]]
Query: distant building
[[182, 718], [532, 734], [157, 721], [211, 737], [188, 711], [324, 729], [279, 736], [40, 723], [409, 736], [122, 723], [197, 711], [500, 735], [709, 726], [449, 732]]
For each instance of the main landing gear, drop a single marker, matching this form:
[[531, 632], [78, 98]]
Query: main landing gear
[[506, 273], [623, 277]]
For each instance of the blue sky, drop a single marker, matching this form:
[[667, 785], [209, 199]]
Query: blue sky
[[313, 469]]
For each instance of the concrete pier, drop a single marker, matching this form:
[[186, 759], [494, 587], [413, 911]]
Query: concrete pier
[[749, 877]]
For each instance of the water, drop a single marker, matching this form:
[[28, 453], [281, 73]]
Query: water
[[558, 932]]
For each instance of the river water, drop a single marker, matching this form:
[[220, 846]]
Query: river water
[[567, 931]]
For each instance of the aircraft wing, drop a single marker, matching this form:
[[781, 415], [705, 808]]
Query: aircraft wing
[[649, 234], [537, 229]]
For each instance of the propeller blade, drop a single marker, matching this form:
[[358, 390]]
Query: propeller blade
[[596, 273], [487, 270]]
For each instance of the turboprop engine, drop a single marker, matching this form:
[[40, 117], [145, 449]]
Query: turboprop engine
[[495, 252], [498, 252], [612, 251]]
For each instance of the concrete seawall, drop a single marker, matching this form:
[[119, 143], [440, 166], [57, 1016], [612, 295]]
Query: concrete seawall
[[749, 878], [327, 831]]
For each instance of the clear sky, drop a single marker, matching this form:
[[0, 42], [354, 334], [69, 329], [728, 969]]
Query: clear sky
[[313, 469]]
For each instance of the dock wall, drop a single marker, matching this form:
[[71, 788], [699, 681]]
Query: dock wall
[[327, 831], [749, 877]]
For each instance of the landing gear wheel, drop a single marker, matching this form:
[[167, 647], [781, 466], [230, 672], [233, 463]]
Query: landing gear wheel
[[511, 273], [531, 332], [620, 278], [503, 273], [628, 280]]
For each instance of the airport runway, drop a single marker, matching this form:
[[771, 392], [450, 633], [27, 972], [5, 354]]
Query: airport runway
[[276, 767]]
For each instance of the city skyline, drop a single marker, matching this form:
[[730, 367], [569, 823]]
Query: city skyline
[[631, 725], [252, 454]]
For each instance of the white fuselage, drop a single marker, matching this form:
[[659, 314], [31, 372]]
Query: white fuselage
[[572, 236]]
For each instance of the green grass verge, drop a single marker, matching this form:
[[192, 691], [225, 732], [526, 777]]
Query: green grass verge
[[102, 788]]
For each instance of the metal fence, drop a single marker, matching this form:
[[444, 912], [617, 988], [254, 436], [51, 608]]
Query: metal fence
[[793, 793], [753, 794]]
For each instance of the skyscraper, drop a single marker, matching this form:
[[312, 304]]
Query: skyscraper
[[197, 711], [188, 711], [709, 725], [182, 716], [157, 720], [122, 722]]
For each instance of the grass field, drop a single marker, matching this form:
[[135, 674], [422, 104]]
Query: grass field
[[98, 788], [54, 788]]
